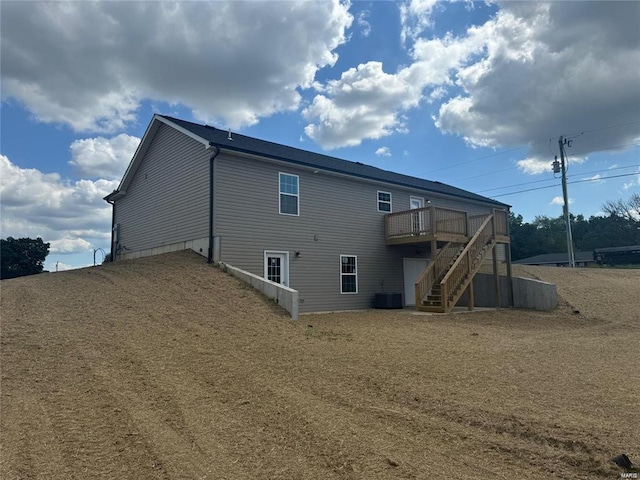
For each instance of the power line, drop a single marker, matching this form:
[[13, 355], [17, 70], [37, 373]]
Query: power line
[[517, 185], [607, 128], [515, 166], [484, 174], [480, 158], [605, 178], [531, 145], [550, 179], [607, 148], [575, 181]]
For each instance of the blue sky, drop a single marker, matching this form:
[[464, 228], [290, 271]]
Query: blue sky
[[471, 94]]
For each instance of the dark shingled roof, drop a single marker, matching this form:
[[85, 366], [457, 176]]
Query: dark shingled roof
[[242, 143]]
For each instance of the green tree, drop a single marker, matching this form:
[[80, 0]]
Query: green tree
[[22, 256], [620, 227]]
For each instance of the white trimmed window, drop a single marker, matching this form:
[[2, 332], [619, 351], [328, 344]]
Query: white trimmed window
[[348, 274], [384, 202], [289, 194]]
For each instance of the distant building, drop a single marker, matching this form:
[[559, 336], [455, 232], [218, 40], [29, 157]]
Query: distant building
[[617, 255], [583, 259]]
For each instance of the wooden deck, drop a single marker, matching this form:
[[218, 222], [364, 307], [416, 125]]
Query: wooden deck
[[440, 224], [469, 240]]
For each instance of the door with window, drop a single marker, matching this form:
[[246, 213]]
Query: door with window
[[417, 219], [276, 267]]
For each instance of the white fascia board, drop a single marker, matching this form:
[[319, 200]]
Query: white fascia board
[[182, 130]]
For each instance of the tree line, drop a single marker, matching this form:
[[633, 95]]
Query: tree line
[[619, 227]]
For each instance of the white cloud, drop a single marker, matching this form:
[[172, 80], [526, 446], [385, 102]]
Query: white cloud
[[534, 166], [542, 164], [69, 245], [103, 157], [72, 216], [383, 152], [594, 178], [60, 267], [415, 17], [527, 75], [368, 103], [559, 201], [90, 64], [365, 26], [541, 77], [364, 103]]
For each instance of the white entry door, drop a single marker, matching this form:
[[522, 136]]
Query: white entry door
[[417, 218], [413, 268], [276, 267]]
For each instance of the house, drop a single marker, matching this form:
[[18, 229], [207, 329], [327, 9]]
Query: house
[[338, 232], [582, 259]]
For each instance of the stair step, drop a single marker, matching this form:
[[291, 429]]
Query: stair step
[[431, 303], [425, 308]]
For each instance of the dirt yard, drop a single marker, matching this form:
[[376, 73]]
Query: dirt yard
[[166, 368]]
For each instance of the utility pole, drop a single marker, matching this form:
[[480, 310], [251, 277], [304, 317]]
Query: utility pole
[[567, 219]]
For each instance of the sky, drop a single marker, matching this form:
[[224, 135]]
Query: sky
[[471, 94]]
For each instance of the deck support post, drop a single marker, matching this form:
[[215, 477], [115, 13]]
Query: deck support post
[[509, 276], [507, 249], [471, 296], [496, 275]]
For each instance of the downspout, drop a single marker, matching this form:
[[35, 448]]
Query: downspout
[[113, 224], [213, 157]]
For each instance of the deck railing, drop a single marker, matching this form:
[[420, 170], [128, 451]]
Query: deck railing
[[501, 222], [464, 267], [435, 270], [476, 221], [429, 221]]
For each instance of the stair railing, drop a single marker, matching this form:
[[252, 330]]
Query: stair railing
[[462, 269], [435, 270]]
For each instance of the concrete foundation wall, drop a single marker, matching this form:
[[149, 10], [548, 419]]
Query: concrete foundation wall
[[200, 246], [527, 293], [534, 294], [286, 297]]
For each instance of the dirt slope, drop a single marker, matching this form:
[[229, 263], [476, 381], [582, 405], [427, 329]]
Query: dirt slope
[[165, 368]]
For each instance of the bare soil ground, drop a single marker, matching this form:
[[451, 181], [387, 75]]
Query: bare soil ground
[[166, 368]]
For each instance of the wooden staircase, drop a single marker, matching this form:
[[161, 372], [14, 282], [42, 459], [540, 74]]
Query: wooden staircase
[[452, 270]]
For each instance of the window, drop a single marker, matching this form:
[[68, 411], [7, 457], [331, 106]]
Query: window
[[289, 195], [348, 274], [384, 201]]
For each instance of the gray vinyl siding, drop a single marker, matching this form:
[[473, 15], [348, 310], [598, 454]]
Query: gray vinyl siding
[[341, 212], [167, 200]]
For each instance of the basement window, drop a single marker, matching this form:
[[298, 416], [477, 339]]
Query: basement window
[[348, 274]]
